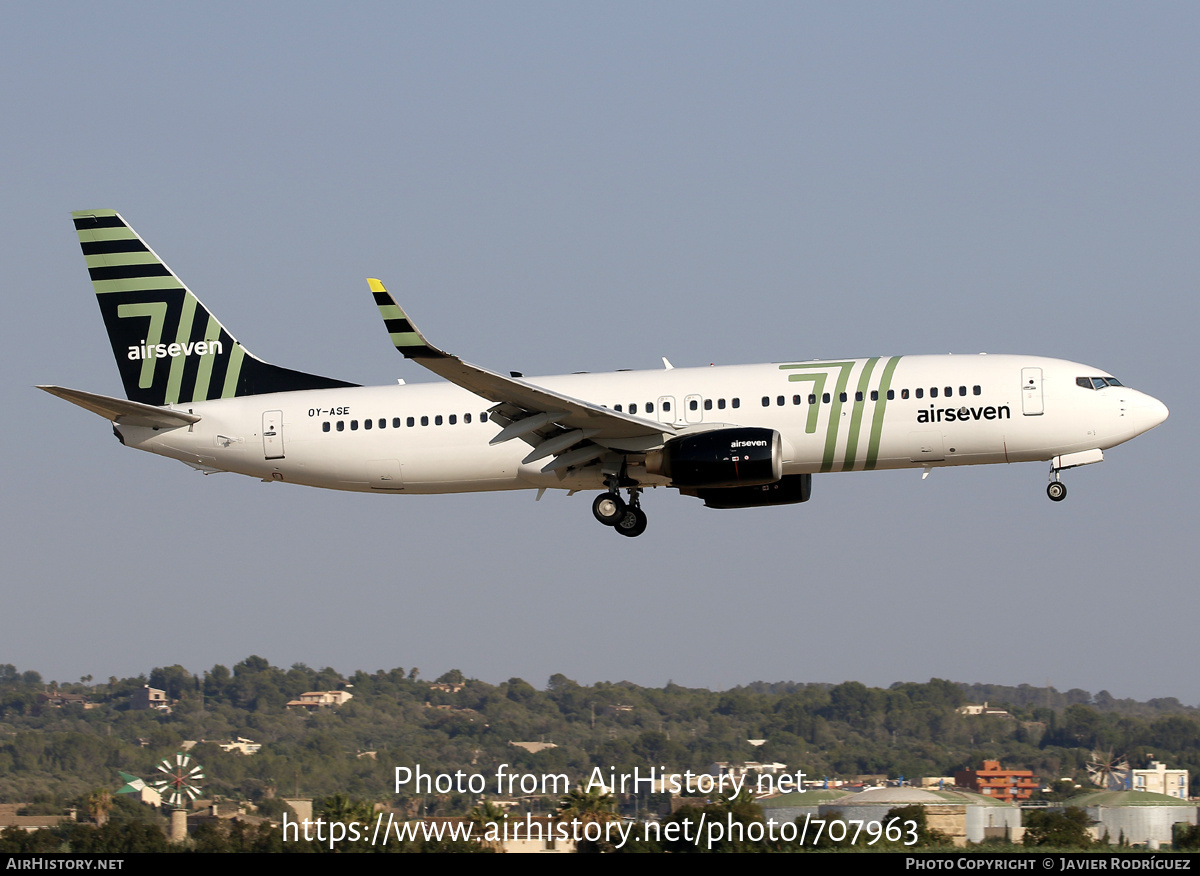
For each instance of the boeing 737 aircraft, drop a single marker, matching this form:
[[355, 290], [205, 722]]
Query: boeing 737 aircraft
[[735, 437]]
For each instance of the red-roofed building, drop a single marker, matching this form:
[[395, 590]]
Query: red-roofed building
[[1010, 786]]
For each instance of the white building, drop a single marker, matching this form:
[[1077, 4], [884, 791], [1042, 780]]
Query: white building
[[1160, 780]]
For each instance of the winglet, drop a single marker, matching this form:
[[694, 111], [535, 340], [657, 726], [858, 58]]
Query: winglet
[[406, 336], [553, 410]]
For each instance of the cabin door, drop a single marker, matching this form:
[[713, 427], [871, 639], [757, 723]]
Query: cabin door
[[1031, 392], [272, 432]]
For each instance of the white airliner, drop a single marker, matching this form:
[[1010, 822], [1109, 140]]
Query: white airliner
[[736, 436]]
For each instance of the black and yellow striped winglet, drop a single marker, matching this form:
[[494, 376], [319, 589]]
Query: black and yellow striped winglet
[[406, 336]]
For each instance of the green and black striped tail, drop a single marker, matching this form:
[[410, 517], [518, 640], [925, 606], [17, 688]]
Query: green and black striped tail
[[169, 348]]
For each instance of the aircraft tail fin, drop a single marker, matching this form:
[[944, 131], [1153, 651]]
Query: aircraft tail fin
[[169, 348]]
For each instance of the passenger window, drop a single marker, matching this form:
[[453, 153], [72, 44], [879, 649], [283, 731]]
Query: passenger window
[[354, 425], [737, 402], [708, 404], [779, 400], [825, 397], [367, 424], [395, 422], [949, 392], [766, 401], [920, 392], [874, 395], [891, 394], [633, 409], [649, 407], [424, 421], [325, 426], [437, 421], [341, 427], [962, 390], [453, 419], [796, 399], [618, 409], [841, 396], [933, 392], [693, 405], [411, 422], [667, 406], [812, 398], [978, 390], [858, 396], [721, 404], [382, 423], [904, 393], [466, 418]]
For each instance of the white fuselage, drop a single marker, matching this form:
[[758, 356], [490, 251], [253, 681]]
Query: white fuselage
[[832, 416]]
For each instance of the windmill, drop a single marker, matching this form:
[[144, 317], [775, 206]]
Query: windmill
[[1108, 772], [178, 780]]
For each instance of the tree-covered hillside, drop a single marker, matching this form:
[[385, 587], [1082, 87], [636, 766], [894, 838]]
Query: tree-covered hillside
[[58, 754]]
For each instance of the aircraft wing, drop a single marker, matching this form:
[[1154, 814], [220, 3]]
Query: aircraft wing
[[572, 430], [123, 411]]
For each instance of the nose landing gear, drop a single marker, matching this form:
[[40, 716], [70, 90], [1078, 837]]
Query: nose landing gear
[[1056, 490]]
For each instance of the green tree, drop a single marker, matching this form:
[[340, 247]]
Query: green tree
[[737, 812], [1066, 829], [485, 817], [588, 807], [926, 836], [99, 805], [175, 681], [345, 809], [1186, 838]]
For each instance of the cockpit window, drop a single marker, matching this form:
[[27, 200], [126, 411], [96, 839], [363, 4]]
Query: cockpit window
[[1097, 382]]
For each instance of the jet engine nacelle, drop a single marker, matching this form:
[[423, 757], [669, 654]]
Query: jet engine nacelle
[[788, 491], [721, 458]]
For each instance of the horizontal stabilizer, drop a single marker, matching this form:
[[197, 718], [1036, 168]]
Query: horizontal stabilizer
[[123, 411]]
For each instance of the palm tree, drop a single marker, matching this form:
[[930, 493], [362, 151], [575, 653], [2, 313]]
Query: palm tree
[[586, 807], [99, 805], [343, 808], [484, 817]]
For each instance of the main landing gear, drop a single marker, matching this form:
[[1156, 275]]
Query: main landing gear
[[1056, 490], [627, 518]]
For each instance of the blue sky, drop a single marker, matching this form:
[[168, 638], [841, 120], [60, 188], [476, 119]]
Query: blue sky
[[557, 187]]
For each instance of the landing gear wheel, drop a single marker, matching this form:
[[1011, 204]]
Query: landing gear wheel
[[632, 523], [608, 508], [1057, 491]]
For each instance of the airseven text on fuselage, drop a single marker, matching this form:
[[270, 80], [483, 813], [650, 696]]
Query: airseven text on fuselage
[[964, 413]]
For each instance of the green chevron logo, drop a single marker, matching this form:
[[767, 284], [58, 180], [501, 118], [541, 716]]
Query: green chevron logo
[[819, 375]]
